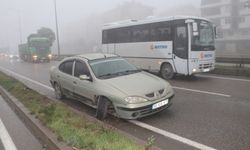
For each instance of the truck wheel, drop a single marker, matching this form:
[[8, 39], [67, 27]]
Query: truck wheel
[[167, 71], [102, 108], [58, 92]]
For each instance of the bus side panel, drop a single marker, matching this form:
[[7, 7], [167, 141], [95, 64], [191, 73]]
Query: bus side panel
[[108, 48], [153, 65], [146, 55], [150, 50]]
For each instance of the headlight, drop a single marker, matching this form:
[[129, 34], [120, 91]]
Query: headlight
[[133, 100], [50, 56], [34, 57]]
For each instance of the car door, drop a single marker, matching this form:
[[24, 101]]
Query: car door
[[65, 76], [83, 88]]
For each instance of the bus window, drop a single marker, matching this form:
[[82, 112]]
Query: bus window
[[181, 42], [161, 31]]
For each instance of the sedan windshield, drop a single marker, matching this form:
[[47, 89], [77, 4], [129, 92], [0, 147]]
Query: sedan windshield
[[111, 67]]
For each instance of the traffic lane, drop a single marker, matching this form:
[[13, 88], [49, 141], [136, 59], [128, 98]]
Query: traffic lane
[[222, 123], [35, 71], [21, 136], [235, 88]]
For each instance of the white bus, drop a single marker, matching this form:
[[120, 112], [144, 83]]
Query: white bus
[[174, 45]]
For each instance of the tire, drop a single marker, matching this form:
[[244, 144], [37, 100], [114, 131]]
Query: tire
[[58, 91], [167, 71], [102, 108]]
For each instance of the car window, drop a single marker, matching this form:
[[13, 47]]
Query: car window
[[81, 69], [112, 67], [67, 67]]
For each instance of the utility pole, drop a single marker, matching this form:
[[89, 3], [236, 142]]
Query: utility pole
[[57, 34], [20, 27]]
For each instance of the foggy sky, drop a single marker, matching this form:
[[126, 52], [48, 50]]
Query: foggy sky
[[30, 15]]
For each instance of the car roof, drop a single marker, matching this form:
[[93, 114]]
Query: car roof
[[93, 56]]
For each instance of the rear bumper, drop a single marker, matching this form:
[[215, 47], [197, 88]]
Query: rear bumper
[[139, 112]]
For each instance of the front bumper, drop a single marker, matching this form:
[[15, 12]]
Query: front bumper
[[139, 112]]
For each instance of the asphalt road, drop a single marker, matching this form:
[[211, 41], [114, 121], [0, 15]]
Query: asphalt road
[[14, 134], [208, 109]]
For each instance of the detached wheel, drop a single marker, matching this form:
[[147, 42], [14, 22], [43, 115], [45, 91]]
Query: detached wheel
[[58, 91], [167, 71], [102, 108]]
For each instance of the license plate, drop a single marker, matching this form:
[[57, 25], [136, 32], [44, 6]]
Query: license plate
[[160, 104], [206, 70]]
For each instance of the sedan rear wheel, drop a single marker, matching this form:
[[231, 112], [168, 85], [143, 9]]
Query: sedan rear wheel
[[58, 91]]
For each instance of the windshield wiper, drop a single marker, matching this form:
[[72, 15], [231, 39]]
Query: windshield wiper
[[109, 75], [130, 71], [118, 73]]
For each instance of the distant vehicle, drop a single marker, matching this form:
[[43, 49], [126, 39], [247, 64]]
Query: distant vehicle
[[36, 50], [111, 85], [13, 57], [183, 45]]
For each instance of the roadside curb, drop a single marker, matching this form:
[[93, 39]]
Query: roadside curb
[[43, 134]]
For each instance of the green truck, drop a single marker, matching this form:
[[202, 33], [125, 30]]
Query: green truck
[[37, 49]]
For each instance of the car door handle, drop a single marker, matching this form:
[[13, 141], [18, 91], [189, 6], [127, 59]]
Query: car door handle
[[74, 82]]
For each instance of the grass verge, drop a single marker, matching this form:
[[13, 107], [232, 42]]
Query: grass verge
[[68, 126]]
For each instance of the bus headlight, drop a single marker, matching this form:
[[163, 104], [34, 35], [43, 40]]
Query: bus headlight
[[194, 70], [134, 100]]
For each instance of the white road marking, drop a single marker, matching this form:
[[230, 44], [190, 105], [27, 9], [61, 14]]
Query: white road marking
[[172, 135], [5, 137], [199, 91], [224, 78], [141, 124], [25, 78]]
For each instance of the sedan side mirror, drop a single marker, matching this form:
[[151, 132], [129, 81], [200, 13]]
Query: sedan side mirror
[[84, 77]]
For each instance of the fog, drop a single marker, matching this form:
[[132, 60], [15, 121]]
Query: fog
[[79, 21]]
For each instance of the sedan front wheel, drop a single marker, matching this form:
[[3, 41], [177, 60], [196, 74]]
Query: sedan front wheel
[[58, 91], [102, 108]]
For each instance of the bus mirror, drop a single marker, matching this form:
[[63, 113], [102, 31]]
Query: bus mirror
[[195, 27], [215, 32], [195, 33]]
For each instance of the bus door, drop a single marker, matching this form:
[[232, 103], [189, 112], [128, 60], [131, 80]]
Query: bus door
[[180, 49]]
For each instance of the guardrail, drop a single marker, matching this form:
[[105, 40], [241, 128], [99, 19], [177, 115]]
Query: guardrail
[[238, 61]]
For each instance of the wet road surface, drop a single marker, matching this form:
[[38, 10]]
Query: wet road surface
[[208, 109]]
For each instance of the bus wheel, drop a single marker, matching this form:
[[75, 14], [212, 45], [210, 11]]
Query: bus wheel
[[167, 71], [102, 108]]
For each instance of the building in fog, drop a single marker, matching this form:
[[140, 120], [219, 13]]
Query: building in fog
[[232, 18]]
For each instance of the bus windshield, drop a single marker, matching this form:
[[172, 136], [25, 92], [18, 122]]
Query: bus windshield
[[203, 39]]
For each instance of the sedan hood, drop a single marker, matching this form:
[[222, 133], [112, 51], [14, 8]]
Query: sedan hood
[[137, 84]]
